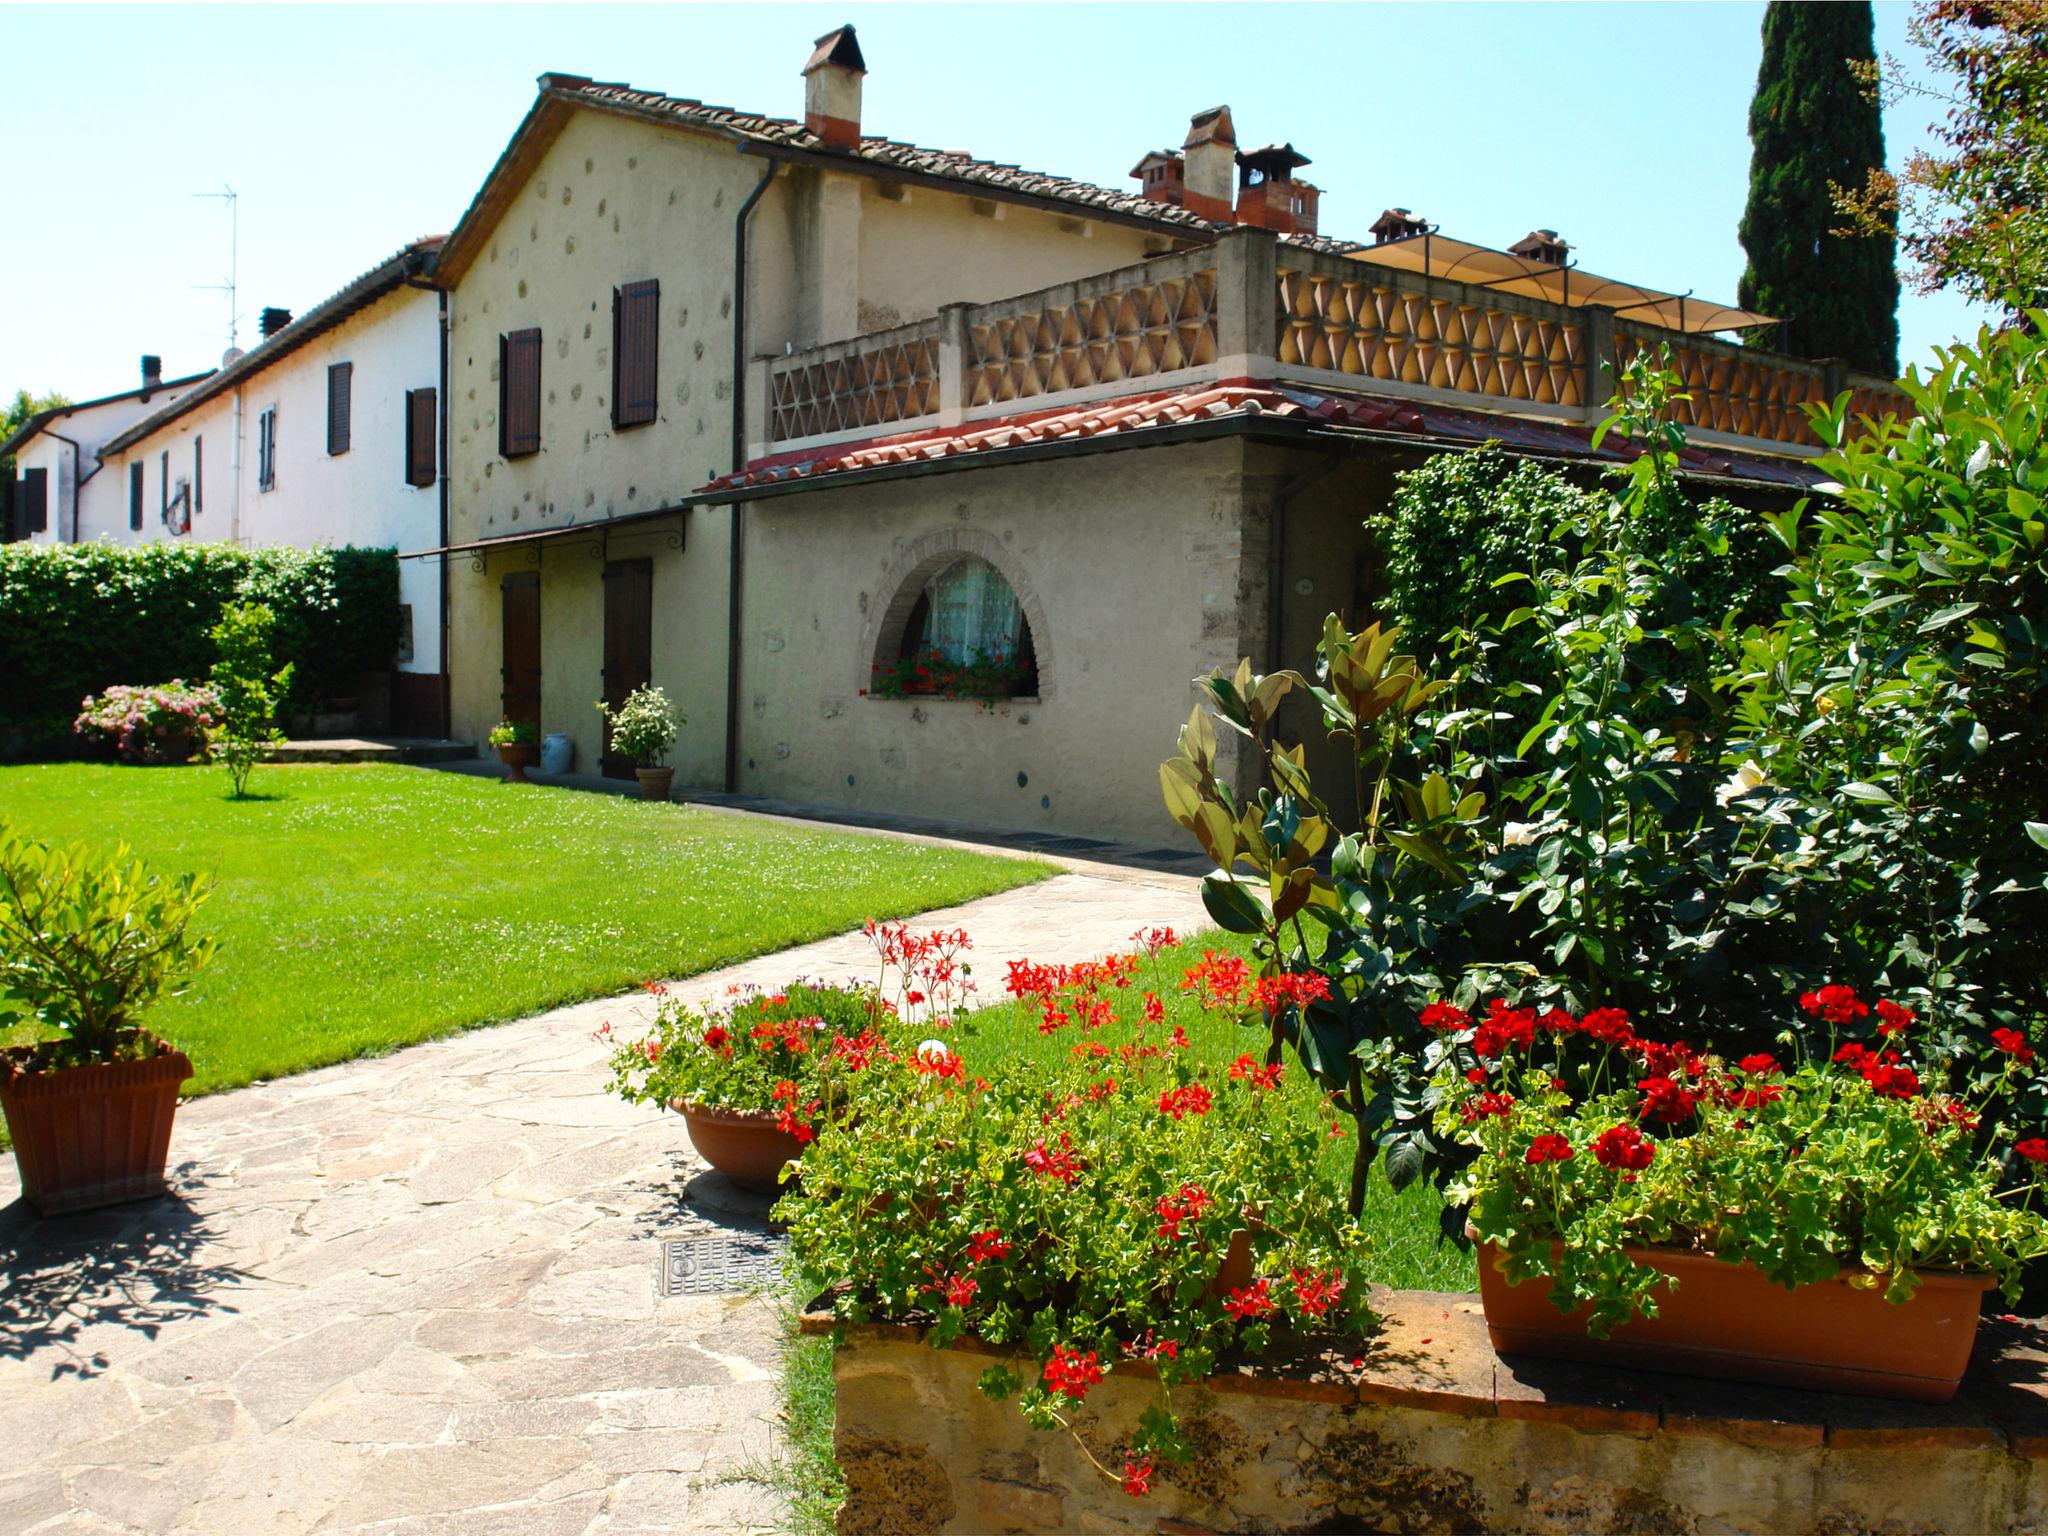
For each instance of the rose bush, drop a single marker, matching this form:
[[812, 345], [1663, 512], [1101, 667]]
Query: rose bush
[[1592, 1139], [166, 723], [1114, 1202]]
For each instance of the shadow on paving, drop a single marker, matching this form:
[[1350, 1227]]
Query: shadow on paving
[[136, 1267]]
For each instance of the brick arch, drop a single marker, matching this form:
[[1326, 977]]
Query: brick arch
[[923, 558]]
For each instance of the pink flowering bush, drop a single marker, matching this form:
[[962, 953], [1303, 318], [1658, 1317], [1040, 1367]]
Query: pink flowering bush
[[163, 723], [1877, 1153], [1113, 1204]]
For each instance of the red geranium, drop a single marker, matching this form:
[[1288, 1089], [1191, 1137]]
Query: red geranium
[[1624, 1147], [1194, 1099], [1837, 1004], [2014, 1044], [1071, 1372], [1248, 1301], [1549, 1148]]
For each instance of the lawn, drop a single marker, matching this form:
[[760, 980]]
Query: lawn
[[362, 908]]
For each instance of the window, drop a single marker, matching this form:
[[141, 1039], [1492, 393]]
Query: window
[[35, 501], [519, 393], [197, 482], [421, 418], [135, 497], [967, 616], [266, 450], [340, 384], [405, 650], [635, 345]]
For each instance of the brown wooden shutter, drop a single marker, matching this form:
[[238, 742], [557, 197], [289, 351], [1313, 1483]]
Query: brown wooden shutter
[[421, 419], [198, 480], [163, 489], [636, 338], [340, 385], [35, 500], [519, 393], [135, 496]]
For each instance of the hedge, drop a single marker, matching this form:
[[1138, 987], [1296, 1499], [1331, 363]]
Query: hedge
[[78, 618]]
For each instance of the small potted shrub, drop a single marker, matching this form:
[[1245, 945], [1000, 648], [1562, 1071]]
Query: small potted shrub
[[1829, 1224], [87, 941], [644, 730], [165, 723], [518, 743]]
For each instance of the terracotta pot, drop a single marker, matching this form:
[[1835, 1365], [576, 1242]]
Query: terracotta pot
[[1728, 1321], [92, 1136], [749, 1149], [654, 782], [1235, 1272], [518, 756]]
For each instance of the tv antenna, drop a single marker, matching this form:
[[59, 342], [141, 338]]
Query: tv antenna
[[227, 195]]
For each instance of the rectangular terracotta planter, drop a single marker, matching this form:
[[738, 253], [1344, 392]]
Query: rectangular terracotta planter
[[93, 1136], [1728, 1321]]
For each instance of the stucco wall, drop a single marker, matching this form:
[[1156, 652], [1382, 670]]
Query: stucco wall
[[101, 505], [1130, 568]]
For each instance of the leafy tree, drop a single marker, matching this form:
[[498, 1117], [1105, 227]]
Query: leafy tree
[[1813, 127], [249, 691], [1975, 213]]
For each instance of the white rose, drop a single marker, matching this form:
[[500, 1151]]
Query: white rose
[[1745, 780]]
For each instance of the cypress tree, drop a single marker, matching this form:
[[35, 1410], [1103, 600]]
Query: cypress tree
[[1814, 122]]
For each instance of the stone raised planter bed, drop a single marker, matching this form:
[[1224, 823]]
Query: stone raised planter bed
[[1424, 1429]]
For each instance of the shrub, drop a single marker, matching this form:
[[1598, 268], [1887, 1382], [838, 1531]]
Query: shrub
[[644, 727], [165, 724], [514, 733], [248, 690], [1858, 1157], [88, 940], [76, 619]]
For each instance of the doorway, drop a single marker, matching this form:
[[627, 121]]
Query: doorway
[[521, 671], [628, 644]]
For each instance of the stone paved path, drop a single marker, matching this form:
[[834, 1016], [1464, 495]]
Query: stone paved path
[[416, 1294]]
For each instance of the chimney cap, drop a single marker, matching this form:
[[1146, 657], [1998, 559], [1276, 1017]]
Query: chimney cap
[[152, 367], [1210, 126], [273, 320], [1274, 162], [839, 48], [1544, 245], [1398, 224], [1154, 157]]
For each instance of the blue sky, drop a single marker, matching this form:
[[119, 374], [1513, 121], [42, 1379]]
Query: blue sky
[[349, 130]]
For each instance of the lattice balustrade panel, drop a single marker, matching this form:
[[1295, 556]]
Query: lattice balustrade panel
[[1878, 403], [867, 387], [1150, 328], [1747, 396], [1376, 331]]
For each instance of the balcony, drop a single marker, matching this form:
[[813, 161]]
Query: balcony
[[1252, 308]]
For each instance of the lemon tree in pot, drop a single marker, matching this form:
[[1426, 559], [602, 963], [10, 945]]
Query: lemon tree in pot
[[644, 730], [88, 939]]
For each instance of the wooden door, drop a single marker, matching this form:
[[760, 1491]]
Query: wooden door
[[628, 643], [521, 671]]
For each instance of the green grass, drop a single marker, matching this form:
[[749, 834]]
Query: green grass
[[362, 908]]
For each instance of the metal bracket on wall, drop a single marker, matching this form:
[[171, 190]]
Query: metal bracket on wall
[[480, 562]]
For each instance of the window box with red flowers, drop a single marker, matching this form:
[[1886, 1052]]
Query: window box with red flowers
[[1110, 1207], [979, 675], [1829, 1223]]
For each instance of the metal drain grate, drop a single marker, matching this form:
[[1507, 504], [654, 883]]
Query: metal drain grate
[[717, 1263]]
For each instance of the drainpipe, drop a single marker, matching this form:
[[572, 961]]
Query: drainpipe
[[441, 436], [736, 567], [235, 472]]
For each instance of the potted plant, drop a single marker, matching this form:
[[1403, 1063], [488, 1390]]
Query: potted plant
[[1100, 1203], [1829, 1223], [518, 742], [644, 730], [87, 941]]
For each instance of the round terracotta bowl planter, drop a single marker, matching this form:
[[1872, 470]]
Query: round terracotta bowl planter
[[749, 1149], [654, 782], [518, 756], [1728, 1321], [92, 1136]]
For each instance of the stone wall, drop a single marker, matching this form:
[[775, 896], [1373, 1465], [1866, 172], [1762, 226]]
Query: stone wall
[[1425, 1432]]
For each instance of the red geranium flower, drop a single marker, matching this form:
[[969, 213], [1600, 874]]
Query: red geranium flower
[[1247, 1069], [1504, 1027], [2033, 1149], [1888, 1080], [1060, 1163], [1071, 1372], [1483, 1106], [1665, 1101], [1760, 1065], [1893, 1019], [1609, 1026], [1837, 1004], [1176, 1210], [1624, 1147], [1549, 1148], [1315, 1294], [1194, 1099], [1442, 1016], [1138, 1477], [987, 1245], [1248, 1301], [2014, 1044]]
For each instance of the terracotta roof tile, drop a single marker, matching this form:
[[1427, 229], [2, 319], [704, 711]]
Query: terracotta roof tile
[[1214, 402]]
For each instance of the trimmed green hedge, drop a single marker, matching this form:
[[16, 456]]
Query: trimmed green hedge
[[78, 618]]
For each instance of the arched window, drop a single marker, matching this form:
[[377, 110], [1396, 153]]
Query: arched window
[[965, 636]]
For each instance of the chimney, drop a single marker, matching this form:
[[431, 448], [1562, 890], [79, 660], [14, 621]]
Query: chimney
[[1398, 224], [1542, 245], [1208, 158], [832, 89], [1268, 196], [273, 320], [1161, 177], [152, 372]]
